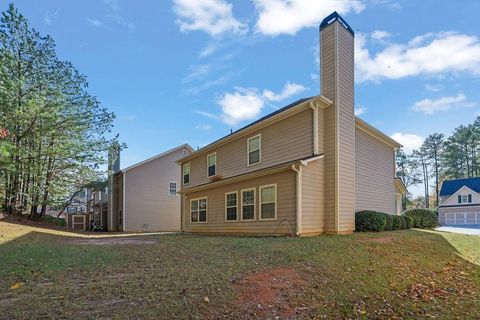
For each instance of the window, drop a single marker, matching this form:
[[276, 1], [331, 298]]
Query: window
[[198, 210], [253, 150], [469, 198], [212, 164], [231, 206], [248, 204], [465, 198], [268, 202], [186, 173], [172, 189]]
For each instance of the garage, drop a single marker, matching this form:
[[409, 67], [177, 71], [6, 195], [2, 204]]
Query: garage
[[460, 202], [462, 218]]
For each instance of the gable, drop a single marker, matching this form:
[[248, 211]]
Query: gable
[[449, 187], [463, 191]]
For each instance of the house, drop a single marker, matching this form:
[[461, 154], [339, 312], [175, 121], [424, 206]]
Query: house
[[97, 205], [304, 169], [145, 194], [460, 202]]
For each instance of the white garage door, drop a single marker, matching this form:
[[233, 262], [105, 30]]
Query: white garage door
[[462, 218]]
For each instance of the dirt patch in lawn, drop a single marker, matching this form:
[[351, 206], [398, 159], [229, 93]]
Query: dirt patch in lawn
[[110, 241], [271, 294]]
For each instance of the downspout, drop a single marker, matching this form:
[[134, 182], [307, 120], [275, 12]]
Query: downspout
[[299, 198], [315, 127]]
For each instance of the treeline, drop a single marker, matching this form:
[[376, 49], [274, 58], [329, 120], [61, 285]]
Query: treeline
[[440, 158], [54, 132]]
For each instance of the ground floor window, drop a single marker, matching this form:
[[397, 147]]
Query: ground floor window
[[268, 202], [231, 206], [248, 204], [198, 210]]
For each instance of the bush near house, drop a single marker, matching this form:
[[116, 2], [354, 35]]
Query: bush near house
[[368, 220], [388, 221], [409, 221], [422, 218], [403, 222], [397, 223]]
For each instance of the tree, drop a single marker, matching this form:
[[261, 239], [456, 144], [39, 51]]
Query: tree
[[421, 162], [432, 148], [56, 128], [407, 170]]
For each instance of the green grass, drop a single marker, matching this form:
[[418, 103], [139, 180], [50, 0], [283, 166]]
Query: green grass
[[399, 274]]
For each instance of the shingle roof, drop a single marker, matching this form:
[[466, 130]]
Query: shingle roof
[[449, 187]]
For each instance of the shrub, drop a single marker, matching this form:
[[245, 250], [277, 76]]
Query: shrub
[[409, 221], [422, 218], [369, 221], [388, 222], [397, 223], [403, 222]]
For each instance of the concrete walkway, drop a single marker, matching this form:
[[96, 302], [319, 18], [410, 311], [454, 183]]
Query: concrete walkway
[[471, 230]]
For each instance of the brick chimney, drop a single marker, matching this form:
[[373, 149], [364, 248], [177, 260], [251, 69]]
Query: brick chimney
[[337, 84]]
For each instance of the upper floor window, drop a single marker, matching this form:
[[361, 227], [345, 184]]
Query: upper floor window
[[186, 173], [212, 164], [253, 150], [172, 189], [465, 198]]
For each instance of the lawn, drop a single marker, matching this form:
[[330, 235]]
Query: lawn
[[403, 274]]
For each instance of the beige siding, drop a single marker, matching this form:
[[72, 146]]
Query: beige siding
[[338, 85], [286, 205], [453, 200], [374, 174], [148, 205], [313, 215], [286, 140]]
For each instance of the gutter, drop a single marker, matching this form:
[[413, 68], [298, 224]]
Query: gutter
[[315, 127]]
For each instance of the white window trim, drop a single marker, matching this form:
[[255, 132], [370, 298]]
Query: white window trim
[[189, 173], [259, 149], [226, 207], [260, 201], [254, 204], [196, 199], [212, 154], [176, 188]]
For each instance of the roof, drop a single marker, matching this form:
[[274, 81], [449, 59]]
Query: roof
[[326, 102], [334, 17], [185, 145], [449, 187]]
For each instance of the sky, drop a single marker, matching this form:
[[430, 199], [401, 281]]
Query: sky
[[189, 71]]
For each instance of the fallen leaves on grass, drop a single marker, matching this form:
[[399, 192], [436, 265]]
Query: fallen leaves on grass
[[16, 285]]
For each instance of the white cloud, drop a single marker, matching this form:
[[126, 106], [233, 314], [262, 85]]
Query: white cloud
[[197, 72], [360, 110], [94, 22], [49, 16], [203, 126], [289, 90], [380, 35], [428, 54], [243, 104], [214, 17], [430, 106], [206, 114], [120, 20], [113, 4], [409, 141], [288, 17], [433, 87], [246, 104]]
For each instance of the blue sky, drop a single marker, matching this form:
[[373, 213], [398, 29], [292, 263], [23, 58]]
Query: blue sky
[[190, 70]]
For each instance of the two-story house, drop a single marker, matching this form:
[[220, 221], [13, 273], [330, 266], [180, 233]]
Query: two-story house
[[460, 202], [304, 169]]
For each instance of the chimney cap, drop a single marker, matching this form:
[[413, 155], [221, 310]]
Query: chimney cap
[[334, 17]]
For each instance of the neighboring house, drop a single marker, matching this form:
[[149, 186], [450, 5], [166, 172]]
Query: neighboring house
[[305, 168], [97, 205], [145, 195], [460, 202]]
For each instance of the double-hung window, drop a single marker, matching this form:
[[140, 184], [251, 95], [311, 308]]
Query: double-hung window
[[198, 210], [212, 164], [186, 173], [465, 198], [248, 204], [268, 202], [172, 189], [231, 206], [253, 150]]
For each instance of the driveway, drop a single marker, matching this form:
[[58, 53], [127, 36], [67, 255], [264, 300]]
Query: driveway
[[471, 230]]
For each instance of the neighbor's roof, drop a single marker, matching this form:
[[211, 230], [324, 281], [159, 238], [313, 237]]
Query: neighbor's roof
[[449, 187], [186, 145]]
